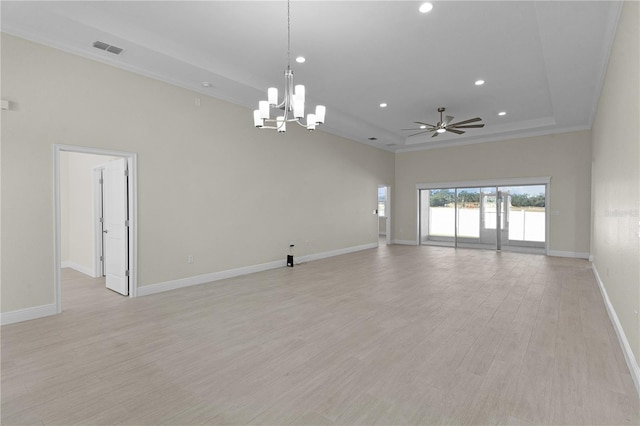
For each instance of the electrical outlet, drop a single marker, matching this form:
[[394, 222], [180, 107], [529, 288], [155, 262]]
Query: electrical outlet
[[190, 258]]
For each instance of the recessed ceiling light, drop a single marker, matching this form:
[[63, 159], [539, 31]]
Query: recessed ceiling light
[[383, 105], [425, 7], [479, 82], [423, 127], [502, 113], [206, 84], [300, 59]]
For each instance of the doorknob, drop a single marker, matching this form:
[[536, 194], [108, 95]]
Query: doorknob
[[106, 231]]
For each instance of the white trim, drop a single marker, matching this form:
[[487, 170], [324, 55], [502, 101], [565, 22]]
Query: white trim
[[544, 180], [97, 225], [387, 213], [27, 314], [632, 363], [57, 237], [405, 242], [338, 252], [207, 278], [572, 254], [245, 270], [77, 267], [547, 217]]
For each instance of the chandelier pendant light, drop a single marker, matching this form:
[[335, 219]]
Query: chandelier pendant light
[[291, 108]]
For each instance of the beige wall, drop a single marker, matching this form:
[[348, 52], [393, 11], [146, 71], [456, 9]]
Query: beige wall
[[566, 158], [616, 181], [209, 183], [77, 231]]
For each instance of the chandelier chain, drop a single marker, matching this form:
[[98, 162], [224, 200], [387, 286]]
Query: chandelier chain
[[288, 34]]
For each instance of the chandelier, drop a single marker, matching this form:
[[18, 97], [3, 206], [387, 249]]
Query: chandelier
[[291, 108]]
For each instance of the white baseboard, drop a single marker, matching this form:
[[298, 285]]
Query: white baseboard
[[77, 267], [338, 252], [207, 278], [573, 254], [632, 363], [230, 273], [27, 314], [404, 242]]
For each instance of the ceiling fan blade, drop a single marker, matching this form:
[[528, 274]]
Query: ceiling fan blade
[[469, 126], [419, 133], [459, 132], [435, 134], [415, 128], [471, 120], [447, 119], [424, 124]]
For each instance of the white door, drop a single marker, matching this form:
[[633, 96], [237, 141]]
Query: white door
[[116, 226]]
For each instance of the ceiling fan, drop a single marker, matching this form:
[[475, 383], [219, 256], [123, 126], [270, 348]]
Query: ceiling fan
[[446, 125]]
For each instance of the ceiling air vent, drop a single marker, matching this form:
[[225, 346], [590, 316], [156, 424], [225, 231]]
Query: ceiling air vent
[[107, 47]]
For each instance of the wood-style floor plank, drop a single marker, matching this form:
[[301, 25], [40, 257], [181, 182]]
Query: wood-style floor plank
[[394, 335]]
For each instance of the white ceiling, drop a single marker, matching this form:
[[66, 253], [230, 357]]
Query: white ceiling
[[543, 62]]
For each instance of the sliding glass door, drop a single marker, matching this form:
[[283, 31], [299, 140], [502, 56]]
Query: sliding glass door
[[490, 217], [468, 216], [527, 216], [438, 216]]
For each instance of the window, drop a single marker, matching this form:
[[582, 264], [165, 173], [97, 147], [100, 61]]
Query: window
[[492, 216]]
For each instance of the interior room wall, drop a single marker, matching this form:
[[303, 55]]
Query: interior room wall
[[565, 157], [616, 180], [210, 184], [77, 210]]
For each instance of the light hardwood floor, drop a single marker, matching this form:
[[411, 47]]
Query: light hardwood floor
[[395, 335]]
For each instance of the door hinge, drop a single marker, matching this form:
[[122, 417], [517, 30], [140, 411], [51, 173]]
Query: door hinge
[[101, 181], [126, 273], [126, 172], [101, 219], [126, 222], [101, 258]]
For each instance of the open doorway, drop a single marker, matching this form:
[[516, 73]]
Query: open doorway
[[384, 214], [95, 205]]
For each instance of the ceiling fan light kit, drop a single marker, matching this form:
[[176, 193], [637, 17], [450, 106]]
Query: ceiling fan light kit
[[445, 125], [292, 104]]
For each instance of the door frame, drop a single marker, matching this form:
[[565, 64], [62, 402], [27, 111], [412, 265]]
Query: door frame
[[133, 217], [387, 214], [97, 215]]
